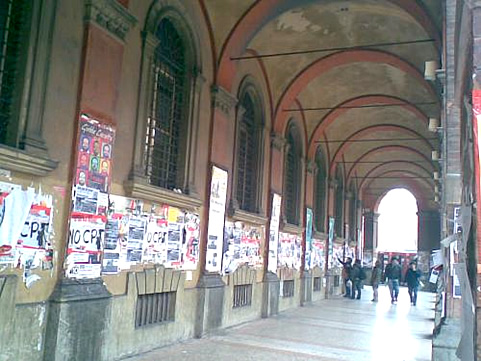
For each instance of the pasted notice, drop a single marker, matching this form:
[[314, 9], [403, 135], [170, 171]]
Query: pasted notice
[[308, 256], [215, 233], [290, 251], [242, 246], [274, 233]]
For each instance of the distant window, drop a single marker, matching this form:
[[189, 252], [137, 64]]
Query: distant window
[[248, 154], [165, 140], [14, 28], [293, 176]]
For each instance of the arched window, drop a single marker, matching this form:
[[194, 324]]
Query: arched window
[[339, 203], [320, 193], [352, 212], [293, 176], [249, 134], [165, 140]]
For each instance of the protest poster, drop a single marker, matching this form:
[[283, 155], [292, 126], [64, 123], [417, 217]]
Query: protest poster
[[155, 242], [215, 231], [308, 254], [85, 200], [274, 233], [135, 239], [318, 257], [85, 245], [190, 251]]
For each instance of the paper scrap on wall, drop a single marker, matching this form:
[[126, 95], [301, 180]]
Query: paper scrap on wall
[[242, 246]]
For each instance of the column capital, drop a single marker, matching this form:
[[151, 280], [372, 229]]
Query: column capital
[[111, 16], [278, 141], [223, 100]]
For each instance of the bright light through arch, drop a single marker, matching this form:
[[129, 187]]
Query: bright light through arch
[[398, 222]]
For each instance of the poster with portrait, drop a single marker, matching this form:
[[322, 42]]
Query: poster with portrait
[[290, 250], [94, 161], [242, 246], [274, 233], [215, 230]]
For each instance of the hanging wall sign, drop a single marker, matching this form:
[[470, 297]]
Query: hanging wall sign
[[330, 241], [274, 233], [215, 233], [308, 257]]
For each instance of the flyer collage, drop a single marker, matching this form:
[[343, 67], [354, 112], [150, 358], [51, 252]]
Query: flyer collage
[[318, 256], [289, 251], [242, 246], [25, 230]]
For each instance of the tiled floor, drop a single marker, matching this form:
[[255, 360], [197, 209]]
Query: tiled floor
[[334, 329]]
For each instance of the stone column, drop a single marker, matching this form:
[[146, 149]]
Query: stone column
[[78, 308], [370, 234]]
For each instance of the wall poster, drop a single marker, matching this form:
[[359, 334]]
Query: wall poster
[[290, 250], [215, 232], [308, 258], [242, 246], [318, 257], [274, 233]]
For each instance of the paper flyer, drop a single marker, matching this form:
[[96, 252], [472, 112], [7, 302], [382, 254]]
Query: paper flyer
[[242, 246], [274, 233], [290, 251]]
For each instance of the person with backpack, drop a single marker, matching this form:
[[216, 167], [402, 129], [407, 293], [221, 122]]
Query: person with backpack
[[357, 276], [393, 274]]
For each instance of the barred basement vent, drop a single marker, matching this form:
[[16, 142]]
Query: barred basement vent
[[337, 280], [155, 308], [242, 296], [317, 284], [288, 288]]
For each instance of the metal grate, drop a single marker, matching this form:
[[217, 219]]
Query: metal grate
[[247, 157], [288, 288], [166, 123], [155, 308], [13, 32], [292, 179], [316, 286], [320, 200], [242, 296], [337, 281]]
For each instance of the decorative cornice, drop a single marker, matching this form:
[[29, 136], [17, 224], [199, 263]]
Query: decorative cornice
[[223, 100], [292, 229], [138, 188], [111, 16], [21, 161], [251, 218], [278, 141]]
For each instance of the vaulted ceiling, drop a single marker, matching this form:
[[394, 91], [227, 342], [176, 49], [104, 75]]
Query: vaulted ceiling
[[353, 72]]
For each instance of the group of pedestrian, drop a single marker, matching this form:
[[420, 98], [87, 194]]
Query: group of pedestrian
[[353, 275]]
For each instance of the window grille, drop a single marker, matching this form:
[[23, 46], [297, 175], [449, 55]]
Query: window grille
[[155, 308], [242, 296], [288, 288], [166, 122], [320, 198], [13, 40], [248, 156], [316, 287], [293, 179]]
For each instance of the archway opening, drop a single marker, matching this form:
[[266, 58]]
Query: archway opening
[[398, 222]]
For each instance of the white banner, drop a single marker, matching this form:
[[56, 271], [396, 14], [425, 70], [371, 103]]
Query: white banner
[[274, 233], [215, 233]]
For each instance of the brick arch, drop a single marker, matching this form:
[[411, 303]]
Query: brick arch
[[361, 101], [413, 185], [374, 128], [388, 148], [380, 166], [261, 12]]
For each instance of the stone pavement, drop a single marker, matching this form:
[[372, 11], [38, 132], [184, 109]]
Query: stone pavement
[[334, 329]]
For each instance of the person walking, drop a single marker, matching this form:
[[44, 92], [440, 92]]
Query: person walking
[[375, 280], [346, 275], [412, 279], [357, 276], [393, 275]]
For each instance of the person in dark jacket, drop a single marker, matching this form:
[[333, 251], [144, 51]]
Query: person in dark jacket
[[393, 274], [346, 275], [357, 276], [412, 279], [375, 280]]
